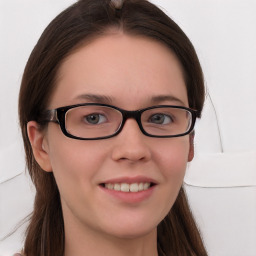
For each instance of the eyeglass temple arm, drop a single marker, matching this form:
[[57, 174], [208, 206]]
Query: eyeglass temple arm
[[51, 116]]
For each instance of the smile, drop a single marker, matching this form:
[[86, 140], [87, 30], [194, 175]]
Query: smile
[[131, 190], [126, 187]]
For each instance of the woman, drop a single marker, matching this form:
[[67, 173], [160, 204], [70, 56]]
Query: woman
[[107, 107]]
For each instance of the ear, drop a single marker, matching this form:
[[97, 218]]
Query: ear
[[191, 147], [39, 144]]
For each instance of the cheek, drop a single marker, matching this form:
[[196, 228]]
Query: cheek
[[75, 164], [172, 160], [172, 156]]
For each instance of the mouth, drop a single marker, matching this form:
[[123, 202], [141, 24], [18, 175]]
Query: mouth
[[128, 187], [131, 190]]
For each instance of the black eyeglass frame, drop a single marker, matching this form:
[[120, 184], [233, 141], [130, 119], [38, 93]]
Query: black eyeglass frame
[[58, 116]]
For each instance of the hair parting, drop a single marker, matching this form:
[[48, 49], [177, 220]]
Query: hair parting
[[117, 4]]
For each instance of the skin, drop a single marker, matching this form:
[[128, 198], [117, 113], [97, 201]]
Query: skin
[[130, 71]]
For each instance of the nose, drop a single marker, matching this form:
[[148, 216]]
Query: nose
[[130, 144]]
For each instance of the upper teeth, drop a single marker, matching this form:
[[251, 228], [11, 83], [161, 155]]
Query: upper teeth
[[125, 187]]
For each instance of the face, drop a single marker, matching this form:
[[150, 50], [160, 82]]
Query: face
[[130, 73]]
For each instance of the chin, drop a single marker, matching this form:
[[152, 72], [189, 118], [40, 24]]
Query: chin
[[127, 230], [134, 234]]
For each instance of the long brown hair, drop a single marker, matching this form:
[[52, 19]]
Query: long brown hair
[[83, 21]]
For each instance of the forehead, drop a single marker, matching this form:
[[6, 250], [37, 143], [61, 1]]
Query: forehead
[[128, 69]]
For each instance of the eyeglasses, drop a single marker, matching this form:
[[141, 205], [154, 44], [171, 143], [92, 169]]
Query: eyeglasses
[[92, 121]]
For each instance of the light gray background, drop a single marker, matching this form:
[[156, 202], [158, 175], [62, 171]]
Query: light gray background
[[221, 182]]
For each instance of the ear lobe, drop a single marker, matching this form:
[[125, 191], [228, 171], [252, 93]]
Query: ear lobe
[[191, 147], [39, 145]]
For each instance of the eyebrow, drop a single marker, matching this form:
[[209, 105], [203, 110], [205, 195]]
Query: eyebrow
[[161, 98], [95, 98]]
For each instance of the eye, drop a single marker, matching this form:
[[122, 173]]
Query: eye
[[95, 118], [160, 119]]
